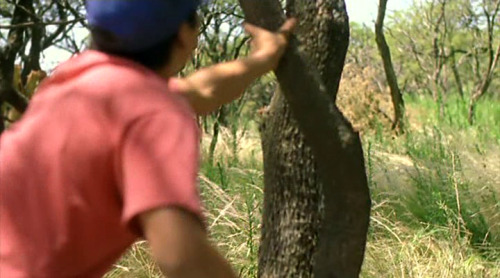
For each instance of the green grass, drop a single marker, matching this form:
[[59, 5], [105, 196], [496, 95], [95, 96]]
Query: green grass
[[435, 191], [454, 121]]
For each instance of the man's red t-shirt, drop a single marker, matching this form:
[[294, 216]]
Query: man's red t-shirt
[[104, 140]]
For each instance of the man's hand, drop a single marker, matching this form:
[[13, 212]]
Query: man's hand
[[209, 88], [270, 46]]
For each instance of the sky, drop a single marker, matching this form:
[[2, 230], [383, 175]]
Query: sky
[[361, 11], [365, 11]]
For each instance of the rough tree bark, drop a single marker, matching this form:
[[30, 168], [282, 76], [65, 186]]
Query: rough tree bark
[[316, 197], [390, 74]]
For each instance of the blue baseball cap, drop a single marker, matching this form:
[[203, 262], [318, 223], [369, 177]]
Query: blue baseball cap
[[138, 24]]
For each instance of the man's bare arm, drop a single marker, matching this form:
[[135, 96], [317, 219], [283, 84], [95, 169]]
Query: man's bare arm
[[180, 245], [209, 88]]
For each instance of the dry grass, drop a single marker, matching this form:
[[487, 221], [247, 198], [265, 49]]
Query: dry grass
[[395, 250], [232, 211], [365, 102], [397, 246], [136, 263]]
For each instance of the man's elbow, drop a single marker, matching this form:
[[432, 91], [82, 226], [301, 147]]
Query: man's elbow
[[179, 263]]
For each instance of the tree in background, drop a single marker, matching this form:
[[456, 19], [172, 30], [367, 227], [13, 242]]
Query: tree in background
[[446, 47], [490, 11], [392, 80], [32, 27], [221, 38], [316, 198], [364, 97], [323, 202]]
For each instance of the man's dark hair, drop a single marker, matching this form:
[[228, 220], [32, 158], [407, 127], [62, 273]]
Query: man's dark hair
[[154, 57]]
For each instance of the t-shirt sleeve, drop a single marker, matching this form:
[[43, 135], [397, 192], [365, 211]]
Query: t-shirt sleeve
[[160, 156]]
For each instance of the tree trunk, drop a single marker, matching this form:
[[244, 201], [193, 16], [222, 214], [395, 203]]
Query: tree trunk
[[493, 56], [8, 55], [392, 80], [438, 53], [456, 74], [316, 198], [27, 29], [220, 120], [481, 91]]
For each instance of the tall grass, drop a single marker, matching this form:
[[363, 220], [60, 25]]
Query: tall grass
[[454, 121], [435, 215], [436, 212]]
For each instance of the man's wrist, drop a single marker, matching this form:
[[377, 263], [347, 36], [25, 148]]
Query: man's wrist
[[262, 62]]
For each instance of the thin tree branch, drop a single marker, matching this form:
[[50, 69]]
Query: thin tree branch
[[47, 23], [63, 17], [8, 55]]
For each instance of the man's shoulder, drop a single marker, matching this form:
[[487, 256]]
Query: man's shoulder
[[100, 91], [120, 82], [98, 69]]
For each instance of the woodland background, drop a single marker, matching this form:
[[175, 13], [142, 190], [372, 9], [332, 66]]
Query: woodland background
[[434, 181]]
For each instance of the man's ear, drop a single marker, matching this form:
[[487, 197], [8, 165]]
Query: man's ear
[[188, 36], [183, 35]]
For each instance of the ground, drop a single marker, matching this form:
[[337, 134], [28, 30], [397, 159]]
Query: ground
[[435, 207]]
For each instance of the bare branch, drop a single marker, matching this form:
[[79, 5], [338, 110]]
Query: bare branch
[[8, 55], [63, 16], [32, 24]]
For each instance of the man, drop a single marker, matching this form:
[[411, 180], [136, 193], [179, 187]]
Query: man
[[108, 149]]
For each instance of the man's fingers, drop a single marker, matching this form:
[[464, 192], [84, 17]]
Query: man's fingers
[[285, 29], [250, 28], [288, 26]]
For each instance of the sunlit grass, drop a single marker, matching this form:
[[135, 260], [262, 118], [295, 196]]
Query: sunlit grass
[[435, 213]]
